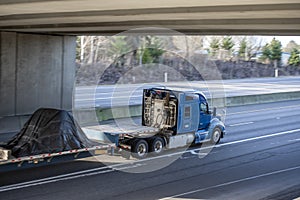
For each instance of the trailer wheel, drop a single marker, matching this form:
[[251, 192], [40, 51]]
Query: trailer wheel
[[139, 148], [216, 136], [156, 145]]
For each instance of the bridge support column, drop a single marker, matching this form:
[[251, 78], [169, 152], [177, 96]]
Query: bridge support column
[[35, 71]]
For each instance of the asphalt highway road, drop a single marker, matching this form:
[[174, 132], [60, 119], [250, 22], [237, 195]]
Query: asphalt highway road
[[131, 94], [258, 159]]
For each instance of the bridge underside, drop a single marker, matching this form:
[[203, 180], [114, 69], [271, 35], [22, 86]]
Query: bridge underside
[[73, 17]]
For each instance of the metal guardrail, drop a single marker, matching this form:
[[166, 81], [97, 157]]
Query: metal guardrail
[[136, 110]]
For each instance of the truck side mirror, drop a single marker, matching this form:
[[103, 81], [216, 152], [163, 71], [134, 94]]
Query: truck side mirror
[[215, 111]]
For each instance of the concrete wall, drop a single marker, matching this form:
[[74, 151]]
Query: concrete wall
[[35, 71]]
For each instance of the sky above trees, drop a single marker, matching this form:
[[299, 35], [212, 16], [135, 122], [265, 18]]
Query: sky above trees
[[267, 39], [283, 39]]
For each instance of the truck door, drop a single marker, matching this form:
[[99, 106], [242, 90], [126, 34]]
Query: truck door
[[205, 115], [188, 116]]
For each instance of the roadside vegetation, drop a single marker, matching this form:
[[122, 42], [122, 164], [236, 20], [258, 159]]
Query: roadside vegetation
[[251, 54]]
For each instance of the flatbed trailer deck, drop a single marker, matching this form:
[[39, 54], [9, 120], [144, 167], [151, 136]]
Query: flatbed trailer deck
[[46, 158], [113, 132]]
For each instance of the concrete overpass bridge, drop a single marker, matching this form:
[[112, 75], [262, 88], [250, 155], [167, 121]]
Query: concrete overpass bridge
[[37, 38], [73, 17]]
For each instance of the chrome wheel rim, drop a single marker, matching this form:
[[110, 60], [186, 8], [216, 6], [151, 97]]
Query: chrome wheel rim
[[158, 146], [216, 136], [141, 151]]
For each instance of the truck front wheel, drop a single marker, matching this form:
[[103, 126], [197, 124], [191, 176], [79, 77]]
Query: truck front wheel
[[216, 136], [139, 148], [156, 145]]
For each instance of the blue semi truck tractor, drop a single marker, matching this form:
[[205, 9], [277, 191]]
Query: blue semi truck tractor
[[170, 119]]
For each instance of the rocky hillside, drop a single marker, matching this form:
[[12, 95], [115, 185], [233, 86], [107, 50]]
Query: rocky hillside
[[176, 69]]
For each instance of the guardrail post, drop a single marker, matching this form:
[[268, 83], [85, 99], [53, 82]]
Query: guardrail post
[[112, 151]]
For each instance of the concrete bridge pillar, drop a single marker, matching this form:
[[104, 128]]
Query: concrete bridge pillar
[[35, 71]]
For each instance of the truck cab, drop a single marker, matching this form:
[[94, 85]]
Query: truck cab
[[176, 118]]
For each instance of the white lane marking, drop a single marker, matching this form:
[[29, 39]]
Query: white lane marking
[[241, 124], [14, 187], [57, 177], [259, 137], [76, 173], [264, 109], [233, 182], [91, 172], [298, 139], [193, 152], [53, 180]]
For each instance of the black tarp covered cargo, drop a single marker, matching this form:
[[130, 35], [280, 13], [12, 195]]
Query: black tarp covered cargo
[[48, 131]]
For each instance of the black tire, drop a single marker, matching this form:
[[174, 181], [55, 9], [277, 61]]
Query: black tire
[[156, 145], [139, 148], [216, 136]]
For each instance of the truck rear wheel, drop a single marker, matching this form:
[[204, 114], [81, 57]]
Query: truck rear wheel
[[139, 148], [156, 145], [216, 136]]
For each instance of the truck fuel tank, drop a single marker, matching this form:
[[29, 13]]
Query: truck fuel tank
[[180, 140]]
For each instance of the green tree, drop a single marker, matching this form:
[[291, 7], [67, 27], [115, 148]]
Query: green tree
[[155, 48], [227, 43], [118, 47], [248, 46], [294, 58], [146, 56], [214, 45], [134, 42], [151, 51], [272, 51], [266, 53], [276, 50], [243, 48]]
